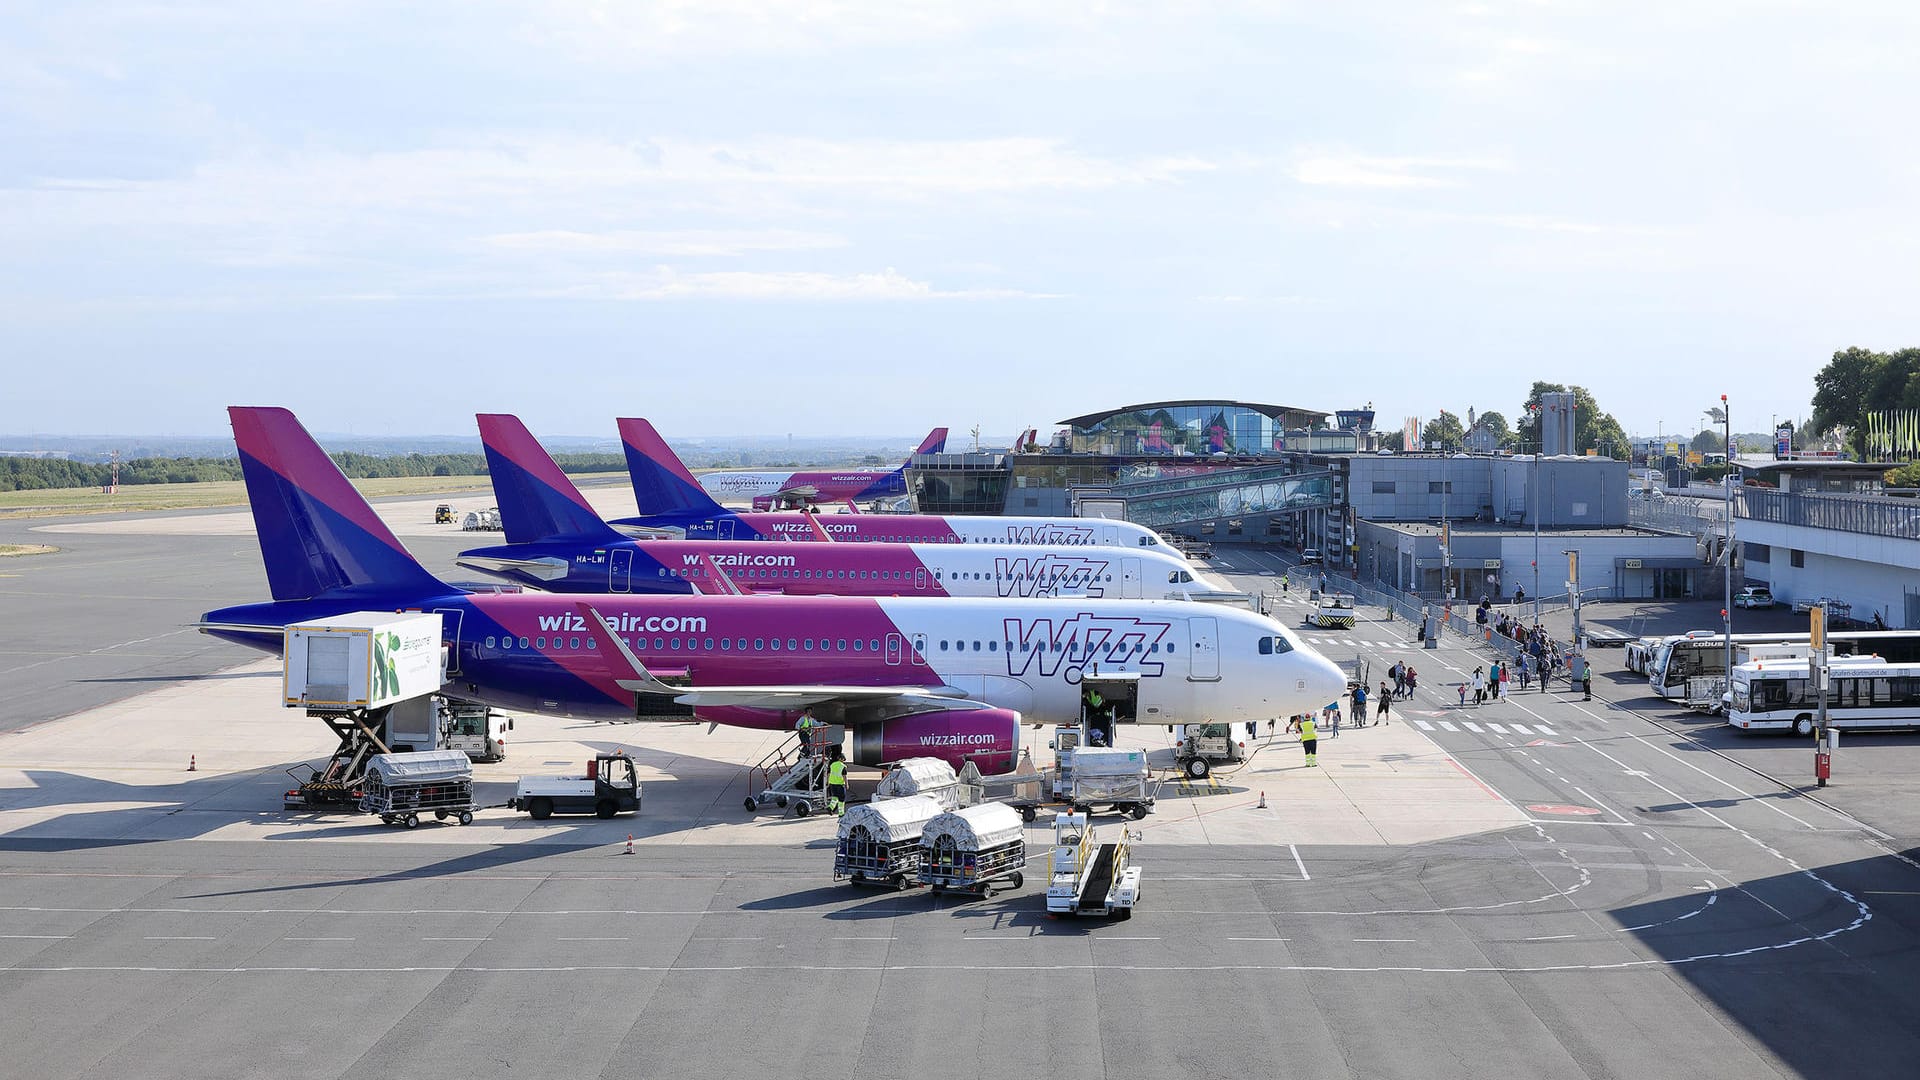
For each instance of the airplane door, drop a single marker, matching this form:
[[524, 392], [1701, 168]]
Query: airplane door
[[920, 578], [723, 528], [620, 570], [1130, 578], [920, 650], [893, 650], [1204, 653], [1109, 535], [450, 619]]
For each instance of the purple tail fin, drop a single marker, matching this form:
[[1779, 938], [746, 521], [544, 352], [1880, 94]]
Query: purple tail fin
[[662, 486], [317, 533], [537, 501], [934, 443]]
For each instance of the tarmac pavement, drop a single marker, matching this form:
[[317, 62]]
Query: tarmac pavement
[[1538, 887]]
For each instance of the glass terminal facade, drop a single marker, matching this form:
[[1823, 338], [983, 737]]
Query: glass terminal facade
[[1188, 429]]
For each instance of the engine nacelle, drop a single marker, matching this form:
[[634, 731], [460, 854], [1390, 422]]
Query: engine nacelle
[[990, 738]]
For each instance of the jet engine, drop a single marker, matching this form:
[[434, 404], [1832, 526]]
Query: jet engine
[[990, 738]]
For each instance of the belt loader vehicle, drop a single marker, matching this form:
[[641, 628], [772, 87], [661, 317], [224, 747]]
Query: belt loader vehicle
[[1088, 877]]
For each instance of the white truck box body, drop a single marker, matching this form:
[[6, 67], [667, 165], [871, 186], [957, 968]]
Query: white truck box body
[[364, 660]]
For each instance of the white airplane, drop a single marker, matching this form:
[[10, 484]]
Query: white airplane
[[816, 486]]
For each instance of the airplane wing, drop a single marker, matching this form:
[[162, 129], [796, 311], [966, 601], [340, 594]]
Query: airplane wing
[[717, 582], [875, 702]]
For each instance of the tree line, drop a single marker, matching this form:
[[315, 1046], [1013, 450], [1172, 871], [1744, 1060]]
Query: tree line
[[38, 474], [1594, 429]]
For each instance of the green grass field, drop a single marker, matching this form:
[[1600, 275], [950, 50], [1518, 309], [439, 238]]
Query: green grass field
[[52, 502]]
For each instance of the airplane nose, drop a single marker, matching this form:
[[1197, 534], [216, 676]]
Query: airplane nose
[[1328, 681]]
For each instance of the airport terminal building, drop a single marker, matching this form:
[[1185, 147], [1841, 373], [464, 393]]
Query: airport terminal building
[[1302, 479]]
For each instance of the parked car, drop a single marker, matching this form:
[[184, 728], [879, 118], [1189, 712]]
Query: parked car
[[1753, 596]]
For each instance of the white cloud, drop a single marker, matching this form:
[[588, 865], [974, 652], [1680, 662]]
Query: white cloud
[[889, 284], [1343, 169], [684, 243]]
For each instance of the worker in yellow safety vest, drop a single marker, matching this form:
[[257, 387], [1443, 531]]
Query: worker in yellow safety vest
[[808, 727], [837, 782], [1309, 740]]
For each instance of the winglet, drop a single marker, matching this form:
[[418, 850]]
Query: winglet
[[635, 675], [723, 584], [819, 531]]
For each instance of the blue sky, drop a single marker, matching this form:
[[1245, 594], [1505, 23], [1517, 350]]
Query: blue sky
[[820, 217]]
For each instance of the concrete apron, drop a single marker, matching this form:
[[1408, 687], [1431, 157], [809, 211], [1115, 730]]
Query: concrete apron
[[120, 772]]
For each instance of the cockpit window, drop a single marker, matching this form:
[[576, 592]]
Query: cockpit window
[[1272, 646]]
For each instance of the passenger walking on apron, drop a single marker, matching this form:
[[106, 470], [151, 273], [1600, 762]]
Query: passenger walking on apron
[[1359, 706], [1586, 681], [1309, 740], [1479, 684], [1380, 707]]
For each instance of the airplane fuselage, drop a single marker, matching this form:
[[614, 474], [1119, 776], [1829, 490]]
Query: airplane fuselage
[[528, 651], [720, 566]]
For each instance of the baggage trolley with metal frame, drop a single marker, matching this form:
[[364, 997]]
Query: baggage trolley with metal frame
[[401, 787], [879, 843], [973, 849]]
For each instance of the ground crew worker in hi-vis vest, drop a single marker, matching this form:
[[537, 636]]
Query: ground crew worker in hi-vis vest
[[807, 726], [837, 783], [1309, 740]]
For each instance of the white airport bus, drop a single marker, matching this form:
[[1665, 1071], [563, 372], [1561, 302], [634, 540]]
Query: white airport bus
[[1862, 694], [1677, 661]]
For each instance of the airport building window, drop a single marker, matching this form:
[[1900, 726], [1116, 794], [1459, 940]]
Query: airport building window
[[1383, 487], [1439, 487], [1796, 558]]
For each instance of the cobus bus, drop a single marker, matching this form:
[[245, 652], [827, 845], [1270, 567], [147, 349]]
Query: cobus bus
[[1681, 660], [1862, 694]]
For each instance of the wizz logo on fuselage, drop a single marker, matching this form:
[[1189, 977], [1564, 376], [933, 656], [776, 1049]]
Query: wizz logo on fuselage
[[1051, 646], [1049, 534], [1049, 575]]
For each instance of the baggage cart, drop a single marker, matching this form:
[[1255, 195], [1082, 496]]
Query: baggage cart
[[1705, 691], [401, 787], [879, 842], [974, 849], [1112, 777], [929, 777]]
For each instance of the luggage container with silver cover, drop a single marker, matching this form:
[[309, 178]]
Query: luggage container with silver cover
[[401, 787], [972, 849], [879, 842], [930, 777], [1113, 777]]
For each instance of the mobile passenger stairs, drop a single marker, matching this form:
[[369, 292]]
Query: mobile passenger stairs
[[788, 778]]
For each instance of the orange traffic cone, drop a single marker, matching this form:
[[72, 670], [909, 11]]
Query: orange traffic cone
[[1263, 801], [193, 763], [629, 850]]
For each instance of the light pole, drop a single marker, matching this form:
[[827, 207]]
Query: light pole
[[1534, 495], [1726, 613]]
